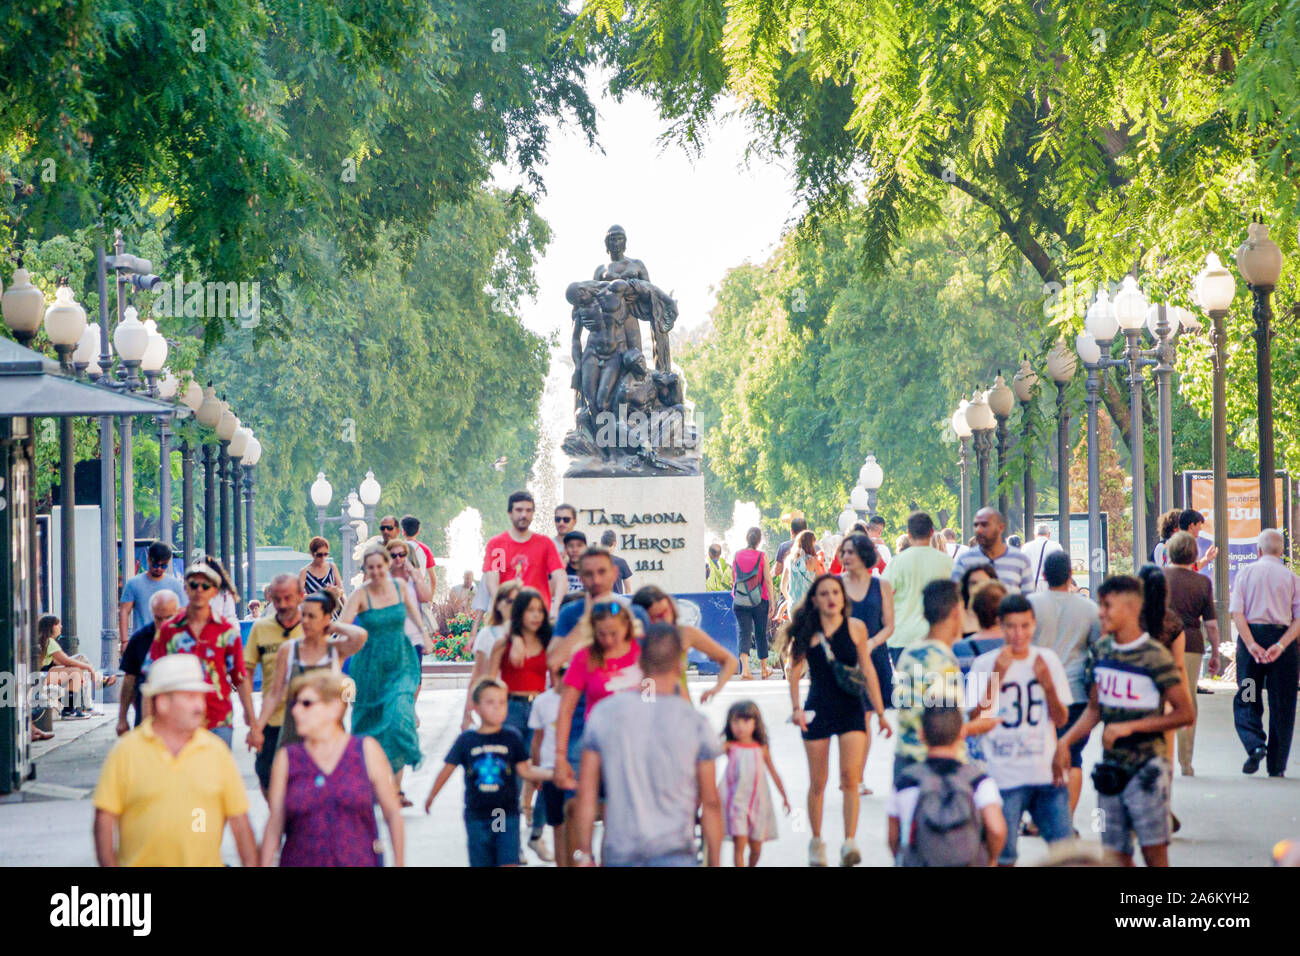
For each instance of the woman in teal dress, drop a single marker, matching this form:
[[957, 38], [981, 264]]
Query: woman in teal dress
[[386, 682]]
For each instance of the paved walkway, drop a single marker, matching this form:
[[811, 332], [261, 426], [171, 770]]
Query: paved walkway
[[1228, 819]]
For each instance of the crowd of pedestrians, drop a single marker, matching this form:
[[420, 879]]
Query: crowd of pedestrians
[[578, 712]]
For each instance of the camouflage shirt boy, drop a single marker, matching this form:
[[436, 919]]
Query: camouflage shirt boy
[[1130, 679]]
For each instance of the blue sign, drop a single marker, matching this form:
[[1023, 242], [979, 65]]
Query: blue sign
[[711, 612]]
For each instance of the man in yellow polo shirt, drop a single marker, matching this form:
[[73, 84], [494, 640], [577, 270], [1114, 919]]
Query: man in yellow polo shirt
[[169, 787]]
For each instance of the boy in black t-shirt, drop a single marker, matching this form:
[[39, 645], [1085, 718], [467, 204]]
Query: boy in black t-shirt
[[494, 758]]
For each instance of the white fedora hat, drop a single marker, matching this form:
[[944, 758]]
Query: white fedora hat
[[175, 672]]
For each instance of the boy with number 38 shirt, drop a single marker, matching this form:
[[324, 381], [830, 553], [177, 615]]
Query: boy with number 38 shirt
[[1026, 697], [1134, 681]]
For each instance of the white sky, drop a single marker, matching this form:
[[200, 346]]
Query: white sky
[[688, 219]]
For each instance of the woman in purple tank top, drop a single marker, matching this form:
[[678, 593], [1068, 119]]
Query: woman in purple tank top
[[324, 788]]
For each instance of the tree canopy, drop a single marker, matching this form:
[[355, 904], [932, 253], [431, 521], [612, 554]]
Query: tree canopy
[[810, 365], [1096, 137], [256, 123]]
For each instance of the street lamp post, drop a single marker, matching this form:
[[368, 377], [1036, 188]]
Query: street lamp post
[[187, 503], [1165, 324], [980, 419], [252, 455], [961, 428], [129, 331], [131, 338], [1024, 384], [870, 478], [351, 512], [226, 426], [1260, 263], [238, 445], [65, 323], [209, 415], [1061, 367], [368, 493], [161, 386], [1100, 328], [1130, 313], [1090, 353], [108, 637], [1002, 401], [1215, 288], [193, 400]]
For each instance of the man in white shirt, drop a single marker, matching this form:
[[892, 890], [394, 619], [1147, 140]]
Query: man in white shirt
[[1026, 696], [1037, 551]]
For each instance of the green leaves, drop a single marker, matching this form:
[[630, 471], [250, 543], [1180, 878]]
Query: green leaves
[[420, 373], [791, 402]]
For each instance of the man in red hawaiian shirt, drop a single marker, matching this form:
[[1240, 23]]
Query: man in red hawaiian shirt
[[216, 643]]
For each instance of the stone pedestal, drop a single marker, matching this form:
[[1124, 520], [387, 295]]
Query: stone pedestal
[[658, 521]]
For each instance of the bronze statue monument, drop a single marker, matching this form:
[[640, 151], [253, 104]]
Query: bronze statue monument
[[630, 420]]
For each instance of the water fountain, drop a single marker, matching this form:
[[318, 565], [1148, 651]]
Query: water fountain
[[465, 543], [744, 515]]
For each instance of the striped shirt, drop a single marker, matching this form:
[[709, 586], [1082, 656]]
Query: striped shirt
[[1012, 566]]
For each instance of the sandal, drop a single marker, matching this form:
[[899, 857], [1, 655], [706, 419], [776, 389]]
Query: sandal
[[864, 790], [38, 734], [405, 802]]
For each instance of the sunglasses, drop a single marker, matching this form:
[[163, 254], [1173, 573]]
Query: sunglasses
[[564, 521], [613, 607], [320, 554], [159, 564], [388, 527], [200, 585], [397, 554]]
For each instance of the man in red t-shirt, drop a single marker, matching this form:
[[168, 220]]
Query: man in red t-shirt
[[518, 554]]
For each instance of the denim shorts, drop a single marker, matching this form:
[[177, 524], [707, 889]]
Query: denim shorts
[[227, 735], [1141, 809], [493, 847], [1049, 808], [517, 711]]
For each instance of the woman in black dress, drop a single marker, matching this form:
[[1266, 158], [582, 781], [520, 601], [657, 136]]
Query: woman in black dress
[[871, 601], [830, 711]]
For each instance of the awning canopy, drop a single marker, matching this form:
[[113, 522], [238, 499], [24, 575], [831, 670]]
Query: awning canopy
[[34, 386]]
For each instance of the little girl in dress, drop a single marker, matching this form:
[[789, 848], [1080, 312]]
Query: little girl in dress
[[747, 804]]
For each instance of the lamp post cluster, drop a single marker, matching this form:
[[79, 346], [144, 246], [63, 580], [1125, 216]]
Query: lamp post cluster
[[1260, 262], [228, 506], [127, 355], [23, 306], [356, 514], [982, 420]]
